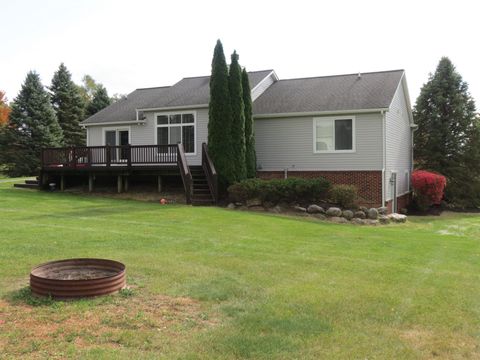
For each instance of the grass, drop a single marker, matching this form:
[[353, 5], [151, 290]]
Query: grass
[[213, 283]]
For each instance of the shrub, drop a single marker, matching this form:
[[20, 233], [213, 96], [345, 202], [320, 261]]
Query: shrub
[[429, 188], [343, 195], [277, 190]]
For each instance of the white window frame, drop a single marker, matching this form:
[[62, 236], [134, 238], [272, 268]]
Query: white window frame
[[168, 113], [333, 119], [117, 130]]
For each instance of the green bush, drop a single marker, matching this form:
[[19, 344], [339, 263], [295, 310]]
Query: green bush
[[278, 190], [343, 195]]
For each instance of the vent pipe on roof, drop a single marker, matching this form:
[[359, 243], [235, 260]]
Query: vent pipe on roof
[[359, 76]]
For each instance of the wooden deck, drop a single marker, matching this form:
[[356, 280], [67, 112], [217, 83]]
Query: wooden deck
[[131, 160]]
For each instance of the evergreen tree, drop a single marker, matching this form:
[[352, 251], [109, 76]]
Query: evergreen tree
[[69, 106], [220, 119], [32, 126], [250, 156], [238, 118], [100, 101], [447, 137]]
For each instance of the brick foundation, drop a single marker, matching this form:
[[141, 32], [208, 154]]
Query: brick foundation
[[402, 202], [368, 183]]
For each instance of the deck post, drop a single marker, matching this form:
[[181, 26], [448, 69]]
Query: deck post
[[90, 182], [62, 183], [125, 183], [119, 183], [159, 184]]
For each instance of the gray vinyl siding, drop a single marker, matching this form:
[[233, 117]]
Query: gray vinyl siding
[[398, 144], [144, 134], [288, 143], [262, 86]]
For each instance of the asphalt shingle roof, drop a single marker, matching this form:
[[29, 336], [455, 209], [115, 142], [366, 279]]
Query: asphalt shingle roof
[[330, 93], [187, 92]]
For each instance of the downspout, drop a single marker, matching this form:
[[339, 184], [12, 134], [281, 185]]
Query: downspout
[[384, 155]]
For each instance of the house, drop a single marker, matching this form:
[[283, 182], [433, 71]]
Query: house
[[351, 129]]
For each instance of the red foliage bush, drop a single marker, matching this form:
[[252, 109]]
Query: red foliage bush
[[429, 187]]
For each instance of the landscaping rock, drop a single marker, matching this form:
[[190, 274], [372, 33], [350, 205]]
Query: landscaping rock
[[254, 202], [382, 210], [347, 214], [334, 211], [364, 209], [320, 216], [372, 222], [359, 214], [256, 208], [403, 211], [383, 219], [276, 209], [338, 220], [268, 204], [398, 218], [358, 221], [373, 214], [238, 204], [300, 209], [315, 209], [231, 206]]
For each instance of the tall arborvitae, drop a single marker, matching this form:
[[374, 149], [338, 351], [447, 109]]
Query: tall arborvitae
[[100, 101], [238, 118], [32, 126], [69, 106], [220, 119], [250, 155], [447, 135]]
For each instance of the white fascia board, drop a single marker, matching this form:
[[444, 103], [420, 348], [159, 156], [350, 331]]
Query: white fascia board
[[167, 108], [264, 79], [319, 113], [141, 122]]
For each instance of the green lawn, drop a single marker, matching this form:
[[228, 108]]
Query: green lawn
[[213, 283]]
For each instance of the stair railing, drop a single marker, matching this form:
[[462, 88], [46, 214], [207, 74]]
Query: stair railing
[[210, 173], [185, 173]]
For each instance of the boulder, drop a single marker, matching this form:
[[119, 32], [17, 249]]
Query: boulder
[[238, 204], [359, 214], [231, 206], [276, 209], [338, 220], [372, 222], [347, 214], [268, 204], [398, 218], [334, 211], [256, 208], [403, 211], [299, 209], [358, 221], [383, 219], [382, 210], [364, 209], [315, 209], [254, 202], [320, 216], [373, 214]]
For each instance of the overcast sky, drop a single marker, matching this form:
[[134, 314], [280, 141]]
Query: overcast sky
[[131, 44]]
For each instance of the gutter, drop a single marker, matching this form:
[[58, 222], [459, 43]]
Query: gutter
[[166, 108], [139, 122], [319, 113]]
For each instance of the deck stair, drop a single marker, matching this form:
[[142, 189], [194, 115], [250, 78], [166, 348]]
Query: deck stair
[[201, 191], [29, 184]]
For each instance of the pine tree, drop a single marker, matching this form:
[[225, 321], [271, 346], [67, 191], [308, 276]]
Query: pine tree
[[238, 118], [100, 101], [447, 136], [250, 155], [220, 119], [32, 126], [69, 106]]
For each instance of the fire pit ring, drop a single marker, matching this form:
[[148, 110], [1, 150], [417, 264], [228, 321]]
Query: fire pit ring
[[77, 278]]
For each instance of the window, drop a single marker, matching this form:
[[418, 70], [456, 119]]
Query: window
[[334, 134], [177, 128]]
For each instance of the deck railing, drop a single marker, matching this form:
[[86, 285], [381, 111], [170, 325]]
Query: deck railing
[[90, 156], [185, 173], [210, 172]]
